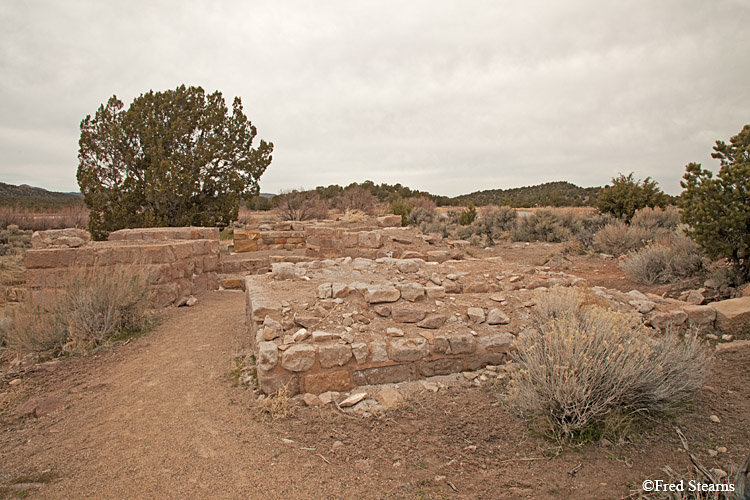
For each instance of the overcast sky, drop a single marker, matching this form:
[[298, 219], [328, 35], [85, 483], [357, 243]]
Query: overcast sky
[[445, 96]]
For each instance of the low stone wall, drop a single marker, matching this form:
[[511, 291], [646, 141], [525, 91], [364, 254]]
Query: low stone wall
[[254, 241], [186, 263], [329, 242]]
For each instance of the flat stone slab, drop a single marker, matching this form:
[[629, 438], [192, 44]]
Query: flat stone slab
[[733, 315]]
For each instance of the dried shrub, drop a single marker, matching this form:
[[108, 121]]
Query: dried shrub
[[671, 259], [619, 238], [494, 224], [543, 225], [297, 205], [356, 198], [278, 405], [91, 309], [585, 366], [657, 218]]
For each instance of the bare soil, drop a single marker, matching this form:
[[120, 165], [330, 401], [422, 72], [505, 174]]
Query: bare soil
[[161, 417]]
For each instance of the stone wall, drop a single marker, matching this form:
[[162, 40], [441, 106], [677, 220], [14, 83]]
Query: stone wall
[[177, 262]]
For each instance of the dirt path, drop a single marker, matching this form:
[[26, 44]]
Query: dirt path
[[160, 418], [163, 421]]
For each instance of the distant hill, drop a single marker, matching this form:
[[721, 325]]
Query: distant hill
[[34, 198], [555, 194]]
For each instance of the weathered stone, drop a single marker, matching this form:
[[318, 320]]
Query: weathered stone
[[340, 290], [389, 221], [331, 355], [360, 350], [324, 336], [476, 314], [496, 317], [695, 297], [382, 310], [385, 374], [496, 341], [701, 316], [451, 286], [329, 397], [272, 329], [300, 335], [268, 356], [353, 399], [440, 344], [298, 358], [370, 239], [678, 318], [476, 287], [440, 367], [260, 308], [376, 294], [462, 343], [482, 360], [659, 320], [409, 349], [379, 352], [311, 399], [270, 383], [435, 292], [643, 306], [636, 295], [394, 332], [733, 315], [437, 256], [408, 266], [411, 291], [318, 383], [407, 315], [433, 321], [306, 319], [389, 397], [325, 291]]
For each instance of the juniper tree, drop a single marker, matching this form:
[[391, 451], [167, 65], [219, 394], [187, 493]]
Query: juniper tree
[[172, 158]]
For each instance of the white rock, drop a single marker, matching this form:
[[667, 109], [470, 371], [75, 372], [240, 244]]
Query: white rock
[[353, 399]]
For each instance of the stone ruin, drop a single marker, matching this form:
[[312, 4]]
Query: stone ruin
[[359, 304]]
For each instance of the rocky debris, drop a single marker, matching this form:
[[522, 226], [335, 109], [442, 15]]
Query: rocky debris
[[407, 315], [382, 310], [496, 317], [476, 314], [191, 301], [329, 397], [433, 321], [340, 290], [408, 266], [394, 332], [715, 419], [496, 341], [642, 306], [272, 329], [375, 294], [462, 343], [298, 358], [389, 397], [389, 221], [451, 286], [434, 292], [353, 399], [636, 295], [695, 297], [325, 291], [306, 319], [735, 345], [496, 297], [438, 256], [283, 271], [476, 287], [360, 350], [312, 400], [324, 336]]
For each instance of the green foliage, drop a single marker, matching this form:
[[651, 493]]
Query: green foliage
[[258, 203], [656, 218], [468, 215], [619, 238], [556, 194], [400, 207], [494, 224], [33, 198], [718, 209], [173, 158], [626, 195]]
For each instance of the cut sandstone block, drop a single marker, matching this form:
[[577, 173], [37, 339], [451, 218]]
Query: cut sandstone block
[[733, 315]]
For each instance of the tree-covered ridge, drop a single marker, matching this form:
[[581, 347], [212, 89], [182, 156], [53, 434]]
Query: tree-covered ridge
[[28, 197], [555, 194]]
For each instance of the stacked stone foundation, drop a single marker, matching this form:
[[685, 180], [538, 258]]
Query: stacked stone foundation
[[176, 263]]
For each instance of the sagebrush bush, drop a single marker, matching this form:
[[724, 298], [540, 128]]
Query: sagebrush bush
[[90, 310], [657, 218], [494, 224], [665, 261], [543, 225], [619, 238], [584, 366]]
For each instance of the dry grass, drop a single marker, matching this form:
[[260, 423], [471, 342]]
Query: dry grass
[[586, 367], [671, 259], [77, 216], [619, 238], [279, 404], [90, 310]]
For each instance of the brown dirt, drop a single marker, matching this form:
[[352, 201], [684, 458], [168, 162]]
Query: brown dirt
[[160, 418]]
